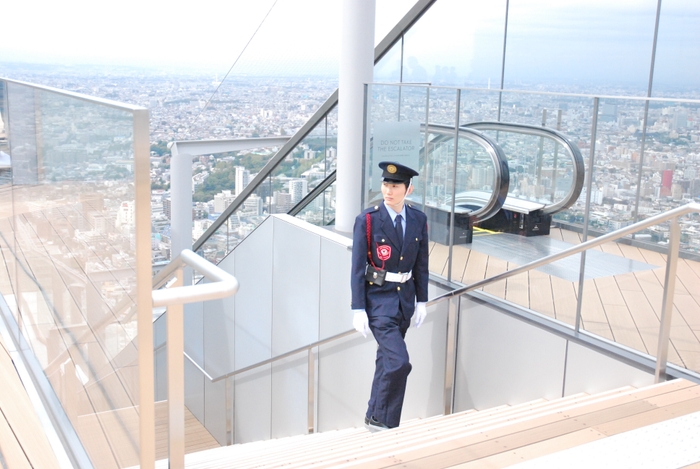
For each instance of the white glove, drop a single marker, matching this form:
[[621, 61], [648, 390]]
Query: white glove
[[360, 322], [420, 313]]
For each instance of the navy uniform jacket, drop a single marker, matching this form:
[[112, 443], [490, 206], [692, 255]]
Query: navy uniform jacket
[[384, 300]]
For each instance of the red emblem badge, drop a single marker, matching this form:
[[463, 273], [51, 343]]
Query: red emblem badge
[[383, 252]]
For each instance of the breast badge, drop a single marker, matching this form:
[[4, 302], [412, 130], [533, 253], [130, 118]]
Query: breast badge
[[383, 252]]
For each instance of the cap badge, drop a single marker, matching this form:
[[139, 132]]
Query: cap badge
[[391, 169]]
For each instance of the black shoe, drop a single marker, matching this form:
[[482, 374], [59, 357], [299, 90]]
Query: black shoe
[[374, 425]]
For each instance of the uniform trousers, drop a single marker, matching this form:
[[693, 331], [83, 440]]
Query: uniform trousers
[[391, 368]]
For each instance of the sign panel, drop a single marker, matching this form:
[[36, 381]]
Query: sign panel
[[398, 142]]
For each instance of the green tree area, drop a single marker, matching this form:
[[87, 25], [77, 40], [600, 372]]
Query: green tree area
[[160, 148], [222, 178]]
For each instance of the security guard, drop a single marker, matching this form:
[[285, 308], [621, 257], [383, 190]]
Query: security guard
[[389, 283]]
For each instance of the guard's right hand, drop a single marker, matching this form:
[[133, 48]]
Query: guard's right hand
[[360, 322]]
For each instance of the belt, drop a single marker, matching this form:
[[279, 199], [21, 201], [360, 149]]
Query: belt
[[398, 278]]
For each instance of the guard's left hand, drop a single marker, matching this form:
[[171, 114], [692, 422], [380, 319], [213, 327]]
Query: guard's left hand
[[420, 313]]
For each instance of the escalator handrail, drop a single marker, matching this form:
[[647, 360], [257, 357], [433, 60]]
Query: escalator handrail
[[572, 150], [397, 32], [498, 158]]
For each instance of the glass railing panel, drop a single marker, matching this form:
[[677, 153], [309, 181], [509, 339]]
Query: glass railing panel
[[70, 230], [478, 106], [443, 106], [321, 210], [676, 72]]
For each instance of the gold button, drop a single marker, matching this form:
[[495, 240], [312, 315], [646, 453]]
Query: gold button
[[371, 283], [398, 288], [376, 207], [383, 240], [400, 258], [416, 239], [399, 273]]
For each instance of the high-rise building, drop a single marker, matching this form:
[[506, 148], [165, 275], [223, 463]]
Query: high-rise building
[[222, 200], [298, 188], [242, 179]]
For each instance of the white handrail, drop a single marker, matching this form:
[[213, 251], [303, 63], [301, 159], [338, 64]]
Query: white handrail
[[173, 296]]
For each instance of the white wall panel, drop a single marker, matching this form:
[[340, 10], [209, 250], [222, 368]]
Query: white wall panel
[[252, 403], [336, 315], [194, 331], [592, 372], [345, 370], [426, 349], [194, 390], [253, 302], [219, 333], [290, 396], [161, 384], [503, 360], [214, 411], [295, 292]]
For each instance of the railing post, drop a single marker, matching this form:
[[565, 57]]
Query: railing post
[[667, 306], [451, 353], [230, 400], [176, 381], [312, 391]]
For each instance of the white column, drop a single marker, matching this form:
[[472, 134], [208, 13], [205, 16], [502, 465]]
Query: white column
[[180, 205], [356, 69]]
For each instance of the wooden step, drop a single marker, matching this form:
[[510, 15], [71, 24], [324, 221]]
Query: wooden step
[[491, 438], [123, 435], [23, 443], [499, 439]]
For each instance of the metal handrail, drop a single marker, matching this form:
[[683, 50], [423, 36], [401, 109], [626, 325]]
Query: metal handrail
[[174, 297], [668, 289], [409, 19], [563, 140]]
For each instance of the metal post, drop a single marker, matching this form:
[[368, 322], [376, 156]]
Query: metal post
[[503, 61], [454, 186], [451, 353], [312, 391], [229, 411], [540, 152], [176, 381], [646, 113], [425, 144], [556, 158], [667, 307], [586, 216]]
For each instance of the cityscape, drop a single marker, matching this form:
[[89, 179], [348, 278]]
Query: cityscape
[[197, 107]]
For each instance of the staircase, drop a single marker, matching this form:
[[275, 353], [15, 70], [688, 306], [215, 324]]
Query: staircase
[[497, 437]]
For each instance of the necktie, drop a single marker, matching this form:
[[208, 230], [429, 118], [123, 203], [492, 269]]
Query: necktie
[[399, 229]]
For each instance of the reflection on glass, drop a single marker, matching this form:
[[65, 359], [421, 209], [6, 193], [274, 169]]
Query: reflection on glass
[[471, 58], [69, 229]]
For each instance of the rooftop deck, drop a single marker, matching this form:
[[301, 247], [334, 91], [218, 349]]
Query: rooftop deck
[[622, 294]]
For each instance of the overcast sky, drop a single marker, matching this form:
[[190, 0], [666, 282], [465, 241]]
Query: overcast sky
[[546, 38]]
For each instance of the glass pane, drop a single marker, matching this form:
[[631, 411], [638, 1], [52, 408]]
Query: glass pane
[[580, 45], [473, 57], [677, 62], [72, 224], [321, 210]]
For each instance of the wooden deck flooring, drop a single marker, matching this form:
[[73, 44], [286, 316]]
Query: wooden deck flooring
[[625, 308]]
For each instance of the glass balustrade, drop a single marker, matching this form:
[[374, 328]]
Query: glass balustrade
[[641, 160], [68, 237]]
